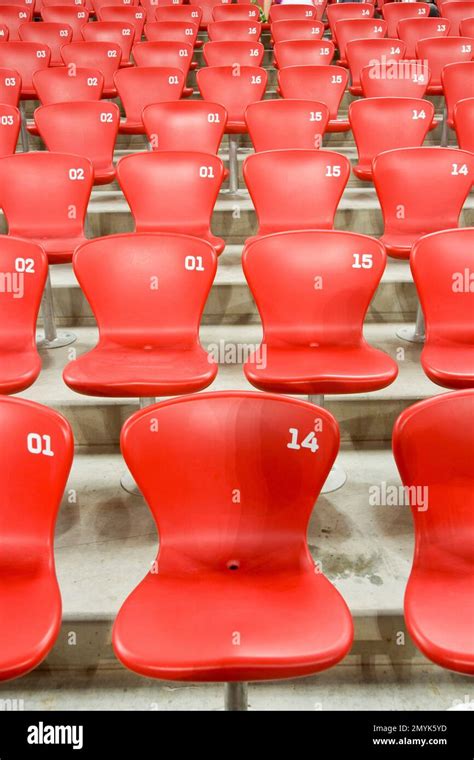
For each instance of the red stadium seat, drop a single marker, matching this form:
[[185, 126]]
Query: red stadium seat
[[118, 32], [177, 55], [36, 450], [326, 84], [85, 128], [99, 4], [24, 268], [73, 16], [313, 341], [13, 16], [10, 87], [234, 31], [380, 124], [458, 83], [411, 30], [44, 197], [420, 190], [297, 30], [173, 126], [466, 27], [140, 86], [282, 124], [297, 12], [362, 53], [456, 12], [295, 189], [155, 184], [182, 13], [303, 53], [61, 85], [104, 56], [337, 11], [149, 334], [10, 121], [432, 446], [292, 621], [441, 265], [133, 15], [230, 53], [171, 31], [393, 13], [401, 79], [438, 52], [25, 58], [207, 8], [242, 12], [357, 29], [464, 123], [52, 34]]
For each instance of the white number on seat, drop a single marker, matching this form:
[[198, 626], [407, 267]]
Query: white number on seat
[[92, 82], [213, 118], [310, 442], [6, 121], [193, 263], [106, 118], [336, 79], [456, 170], [25, 265], [315, 116], [333, 171], [255, 79], [363, 261], [76, 174], [418, 115], [173, 79], [39, 444], [206, 172]]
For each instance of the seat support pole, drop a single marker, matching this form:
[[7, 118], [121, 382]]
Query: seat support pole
[[337, 477], [233, 164], [236, 696], [25, 138], [444, 128], [127, 481], [52, 339], [416, 334]]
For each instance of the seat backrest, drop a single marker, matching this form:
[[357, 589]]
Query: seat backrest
[[304, 52], [338, 11], [52, 34], [282, 124], [165, 54], [10, 87], [464, 123], [234, 31], [171, 191], [184, 13], [230, 53], [10, 121], [140, 86], [380, 124], [305, 188], [458, 84], [87, 128], [439, 51], [394, 12], [74, 16], [174, 126], [358, 29], [289, 12], [36, 449], [410, 30], [13, 16], [466, 27], [147, 287], [207, 8], [433, 448], [242, 12], [405, 180], [26, 58], [68, 83], [150, 6], [321, 284], [134, 15], [104, 56], [294, 29], [400, 79], [23, 272], [456, 12], [45, 194], [122, 33], [325, 84], [171, 31], [251, 464], [221, 85], [361, 53]]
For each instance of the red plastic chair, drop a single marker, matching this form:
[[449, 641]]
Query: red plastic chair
[[407, 79], [393, 13], [357, 29], [140, 86], [421, 190], [306, 187], [411, 30], [44, 197], [148, 335], [246, 569], [152, 6], [338, 11], [10, 121], [380, 124], [231, 53], [24, 267], [466, 27], [85, 128], [234, 31], [326, 84], [10, 87], [171, 31], [104, 56], [188, 14], [207, 8], [36, 450], [297, 30], [53, 34], [456, 12], [176, 55], [295, 12], [438, 52], [362, 53], [432, 446], [242, 12], [313, 339], [441, 265], [173, 191], [61, 85], [133, 15], [458, 83], [26, 58], [284, 124], [13, 16], [118, 32], [464, 123], [74, 16], [174, 126], [303, 53]]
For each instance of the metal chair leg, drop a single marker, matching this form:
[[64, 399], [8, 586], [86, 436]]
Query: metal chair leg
[[236, 696], [414, 334], [127, 481], [233, 191], [52, 339], [25, 137], [337, 476]]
